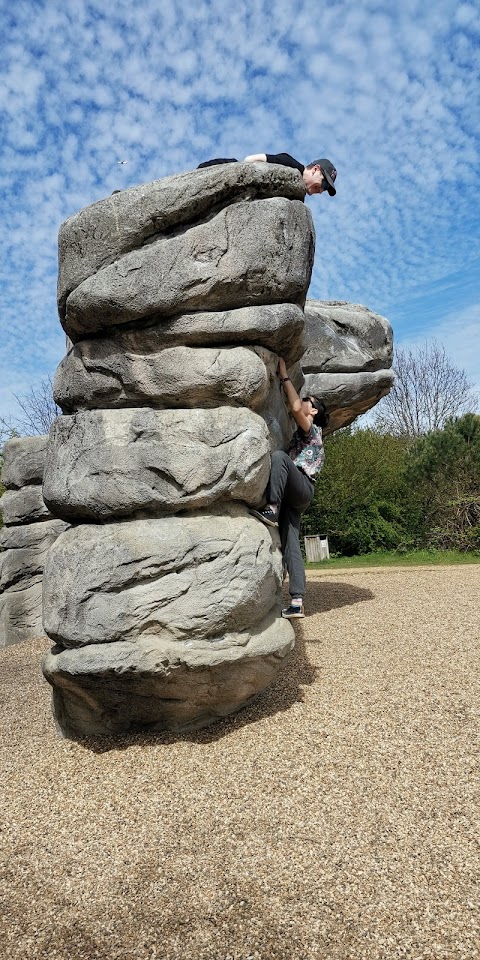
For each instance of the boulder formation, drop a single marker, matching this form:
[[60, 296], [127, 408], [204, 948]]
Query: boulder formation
[[347, 361], [349, 352], [29, 531], [163, 597]]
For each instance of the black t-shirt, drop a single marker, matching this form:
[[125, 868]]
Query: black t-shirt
[[285, 160]]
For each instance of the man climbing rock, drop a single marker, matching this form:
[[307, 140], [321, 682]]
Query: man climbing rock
[[319, 176]]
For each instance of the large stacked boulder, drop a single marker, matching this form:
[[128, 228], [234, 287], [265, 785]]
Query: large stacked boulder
[[28, 532], [163, 597], [348, 356]]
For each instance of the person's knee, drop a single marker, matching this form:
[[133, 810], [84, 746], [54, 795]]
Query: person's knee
[[279, 456]]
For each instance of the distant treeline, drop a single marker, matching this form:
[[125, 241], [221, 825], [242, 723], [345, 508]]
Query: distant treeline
[[384, 492]]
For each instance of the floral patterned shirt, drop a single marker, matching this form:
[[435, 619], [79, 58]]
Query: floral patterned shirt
[[306, 451]]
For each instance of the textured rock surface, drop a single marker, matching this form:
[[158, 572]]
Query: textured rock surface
[[178, 297], [22, 568], [21, 614], [124, 686], [31, 535], [139, 366], [24, 543], [348, 395], [250, 253], [23, 461], [102, 374], [24, 506], [343, 337], [349, 352], [102, 232], [114, 463], [189, 579], [275, 414]]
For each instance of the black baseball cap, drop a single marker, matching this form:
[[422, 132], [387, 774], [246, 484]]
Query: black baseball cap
[[329, 173]]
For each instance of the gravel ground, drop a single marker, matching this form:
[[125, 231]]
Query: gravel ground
[[333, 819]]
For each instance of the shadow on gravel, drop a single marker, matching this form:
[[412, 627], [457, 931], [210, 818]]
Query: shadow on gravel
[[284, 692], [325, 595]]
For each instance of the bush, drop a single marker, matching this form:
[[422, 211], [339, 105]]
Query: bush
[[381, 492], [445, 465], [368, 530], [361, 500]]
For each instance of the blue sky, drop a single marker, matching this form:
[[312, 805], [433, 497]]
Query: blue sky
[[388, 91]]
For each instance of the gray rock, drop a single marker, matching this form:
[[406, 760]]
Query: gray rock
[[21, 615], [189, 579], [23, 461], [23, 547], [149, 683], [347, 360], [128, 368], [102, 374], [104, 231], [345, 337], [258, 252], [23, 506], [178, 297], [22, 568], [278, 327], [347, 395], [32, 535], [113, 463]]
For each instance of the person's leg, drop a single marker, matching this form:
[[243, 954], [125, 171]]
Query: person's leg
[[213, 163], [285, 481], [289, 492], [289, 523], [279, 471], [282, 473]]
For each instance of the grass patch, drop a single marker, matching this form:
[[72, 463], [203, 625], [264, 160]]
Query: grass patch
[[412, 558]]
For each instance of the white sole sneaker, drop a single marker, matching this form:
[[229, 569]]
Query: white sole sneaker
[[293, 613]]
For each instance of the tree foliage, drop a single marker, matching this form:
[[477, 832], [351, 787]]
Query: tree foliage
[[428, 390], [445, 465], [380, 491], [361, 501]]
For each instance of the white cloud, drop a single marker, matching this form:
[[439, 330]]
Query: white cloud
[[389, 92]]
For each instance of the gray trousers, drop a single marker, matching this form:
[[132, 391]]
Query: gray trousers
[[291, 491]]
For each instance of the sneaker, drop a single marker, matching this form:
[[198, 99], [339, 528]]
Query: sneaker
[[267, 515], [293, 613]]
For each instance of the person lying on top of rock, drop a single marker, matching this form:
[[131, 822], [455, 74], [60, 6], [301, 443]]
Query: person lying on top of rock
[[319, 176], [292, 484]]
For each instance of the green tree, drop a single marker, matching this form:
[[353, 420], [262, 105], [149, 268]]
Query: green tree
[[445, 466], [362, 501]]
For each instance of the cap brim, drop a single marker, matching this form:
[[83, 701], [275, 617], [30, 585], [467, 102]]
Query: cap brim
[[330, 187], [330, 183]]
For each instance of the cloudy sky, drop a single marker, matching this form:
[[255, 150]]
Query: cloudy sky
[[388, 91]]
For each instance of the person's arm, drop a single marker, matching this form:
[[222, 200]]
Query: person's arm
[[293, 399], [255, 158]]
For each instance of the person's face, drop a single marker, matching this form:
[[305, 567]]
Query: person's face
[[309, 407], [314, 180]]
